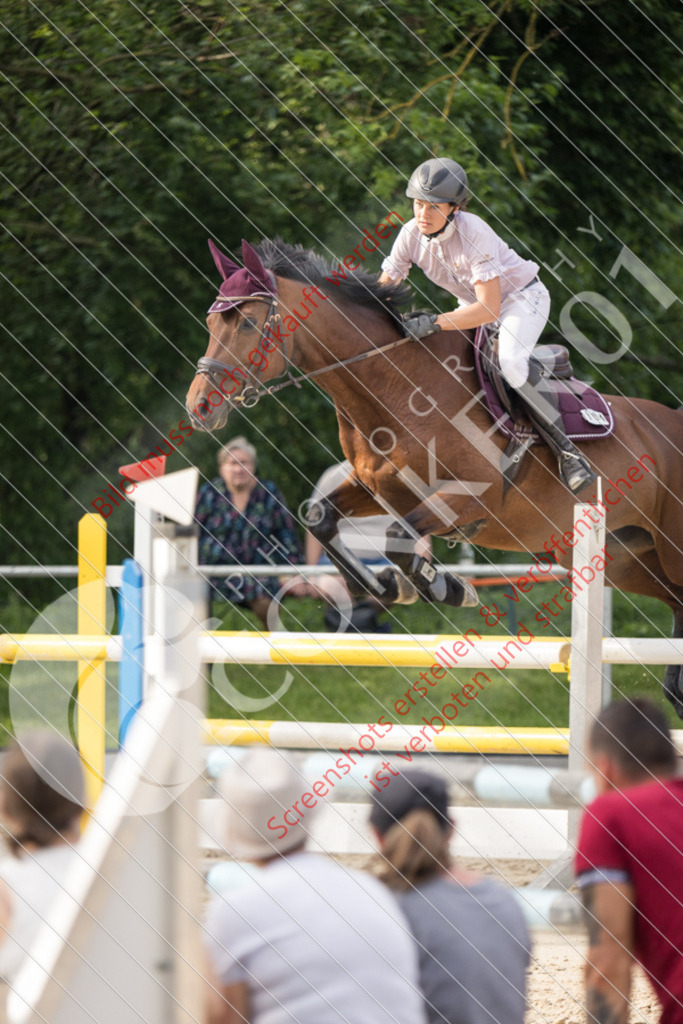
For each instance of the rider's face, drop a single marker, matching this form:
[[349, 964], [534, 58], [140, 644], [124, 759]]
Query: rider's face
[[431, 217]]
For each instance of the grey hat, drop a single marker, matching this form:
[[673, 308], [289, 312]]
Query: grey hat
[[258, 792], [408, 792], [438, 180]]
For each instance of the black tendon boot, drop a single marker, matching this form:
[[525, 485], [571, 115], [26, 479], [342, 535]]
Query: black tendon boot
[[540, 402]]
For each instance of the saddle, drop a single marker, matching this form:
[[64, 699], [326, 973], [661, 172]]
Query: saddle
[[586, 414]]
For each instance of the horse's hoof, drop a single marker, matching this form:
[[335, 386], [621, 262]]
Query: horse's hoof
[[471, 598], [407, 593], [672, 687], [397, 588], [452, 590], [461, 592]]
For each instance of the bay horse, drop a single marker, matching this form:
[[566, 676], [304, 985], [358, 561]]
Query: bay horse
[[420, 441]]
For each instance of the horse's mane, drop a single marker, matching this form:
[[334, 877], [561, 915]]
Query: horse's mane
[[299, 264]]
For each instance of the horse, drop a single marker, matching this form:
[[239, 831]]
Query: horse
[[421, 442]]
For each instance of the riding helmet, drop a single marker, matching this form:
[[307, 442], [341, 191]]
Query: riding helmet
[[438, 180]]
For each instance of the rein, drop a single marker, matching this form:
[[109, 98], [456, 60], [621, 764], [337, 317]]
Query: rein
[[253, 393]]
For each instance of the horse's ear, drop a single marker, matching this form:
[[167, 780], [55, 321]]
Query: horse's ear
[[252, 262], [225, 266]]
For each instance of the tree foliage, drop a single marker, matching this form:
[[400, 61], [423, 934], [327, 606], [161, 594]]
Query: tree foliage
[[134, 131]]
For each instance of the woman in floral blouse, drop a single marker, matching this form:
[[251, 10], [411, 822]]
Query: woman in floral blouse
[[244, 521]]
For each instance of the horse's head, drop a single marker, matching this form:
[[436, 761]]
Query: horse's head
[[242, 331]]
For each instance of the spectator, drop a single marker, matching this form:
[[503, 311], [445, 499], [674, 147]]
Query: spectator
[[244, 521], [307, 940], [629, 862], [473, 943], [41, 802], [366, 538]]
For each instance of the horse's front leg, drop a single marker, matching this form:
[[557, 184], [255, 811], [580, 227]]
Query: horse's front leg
[[432, 584], [322, 519]]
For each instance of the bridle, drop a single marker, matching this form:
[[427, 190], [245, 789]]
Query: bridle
[[253, 392], [210, 367]]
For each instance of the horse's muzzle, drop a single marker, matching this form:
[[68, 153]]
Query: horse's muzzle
[[207, 410]]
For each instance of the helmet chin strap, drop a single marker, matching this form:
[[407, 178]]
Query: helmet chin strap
[[450, 222]]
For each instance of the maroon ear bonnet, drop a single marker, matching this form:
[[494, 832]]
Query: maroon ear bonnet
[[240, 283]]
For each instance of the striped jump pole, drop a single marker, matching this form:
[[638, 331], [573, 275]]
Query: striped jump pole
[[333, 735], [370, 650], [379, 650], [470, 783]]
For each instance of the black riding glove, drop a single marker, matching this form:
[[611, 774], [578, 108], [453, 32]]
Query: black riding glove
[[420, 325]]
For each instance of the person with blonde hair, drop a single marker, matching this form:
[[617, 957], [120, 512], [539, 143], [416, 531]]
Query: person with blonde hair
[[473, 943], [244, 521]]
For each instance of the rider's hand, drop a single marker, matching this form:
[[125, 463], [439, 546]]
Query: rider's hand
[[420, 325]]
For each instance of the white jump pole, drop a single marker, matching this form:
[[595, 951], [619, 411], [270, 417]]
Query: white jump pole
[[122, 942], [586, 678], [155, 498], [145, 530]]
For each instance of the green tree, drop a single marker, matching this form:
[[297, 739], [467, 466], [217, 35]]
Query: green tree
[[132, 132]]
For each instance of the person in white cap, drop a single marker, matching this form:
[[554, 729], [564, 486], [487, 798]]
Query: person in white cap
[[303, 939]]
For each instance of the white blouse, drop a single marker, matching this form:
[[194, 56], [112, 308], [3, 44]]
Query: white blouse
[[466, 252]]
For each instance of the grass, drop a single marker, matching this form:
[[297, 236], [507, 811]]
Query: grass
[[512, 698], [31, 694]]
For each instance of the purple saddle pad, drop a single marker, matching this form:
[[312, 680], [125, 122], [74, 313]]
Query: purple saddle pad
[[586, 414]]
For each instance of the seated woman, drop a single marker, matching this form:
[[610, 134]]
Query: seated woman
[[41, 802], [473, 943], [244, 521]]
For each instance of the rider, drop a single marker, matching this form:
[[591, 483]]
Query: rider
[[462, 254]]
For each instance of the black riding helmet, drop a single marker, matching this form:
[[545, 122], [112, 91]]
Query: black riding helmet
[[438, 180]]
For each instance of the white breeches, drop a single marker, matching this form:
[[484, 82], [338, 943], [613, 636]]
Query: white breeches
[[523, 315]]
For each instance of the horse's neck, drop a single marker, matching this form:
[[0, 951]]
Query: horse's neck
[[334, 334]]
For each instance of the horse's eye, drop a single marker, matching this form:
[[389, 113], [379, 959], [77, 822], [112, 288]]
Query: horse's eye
[[247, 324]]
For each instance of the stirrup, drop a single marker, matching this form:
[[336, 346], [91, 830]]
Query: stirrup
[[575, 472]]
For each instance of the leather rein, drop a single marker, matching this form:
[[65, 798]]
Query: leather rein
[[252, 393]]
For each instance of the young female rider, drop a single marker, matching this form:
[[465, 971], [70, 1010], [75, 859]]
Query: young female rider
[[493, 284]]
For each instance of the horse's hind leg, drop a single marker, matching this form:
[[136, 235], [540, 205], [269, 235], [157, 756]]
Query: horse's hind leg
[[431, 583], [322, 519]]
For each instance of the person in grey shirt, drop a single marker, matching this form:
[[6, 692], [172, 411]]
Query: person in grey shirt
[[303, 939], [474, 946]]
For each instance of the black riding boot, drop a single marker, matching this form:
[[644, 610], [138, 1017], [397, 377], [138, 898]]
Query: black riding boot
[[540, 402]]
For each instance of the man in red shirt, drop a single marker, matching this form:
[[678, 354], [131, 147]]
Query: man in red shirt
[[629, 862]]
